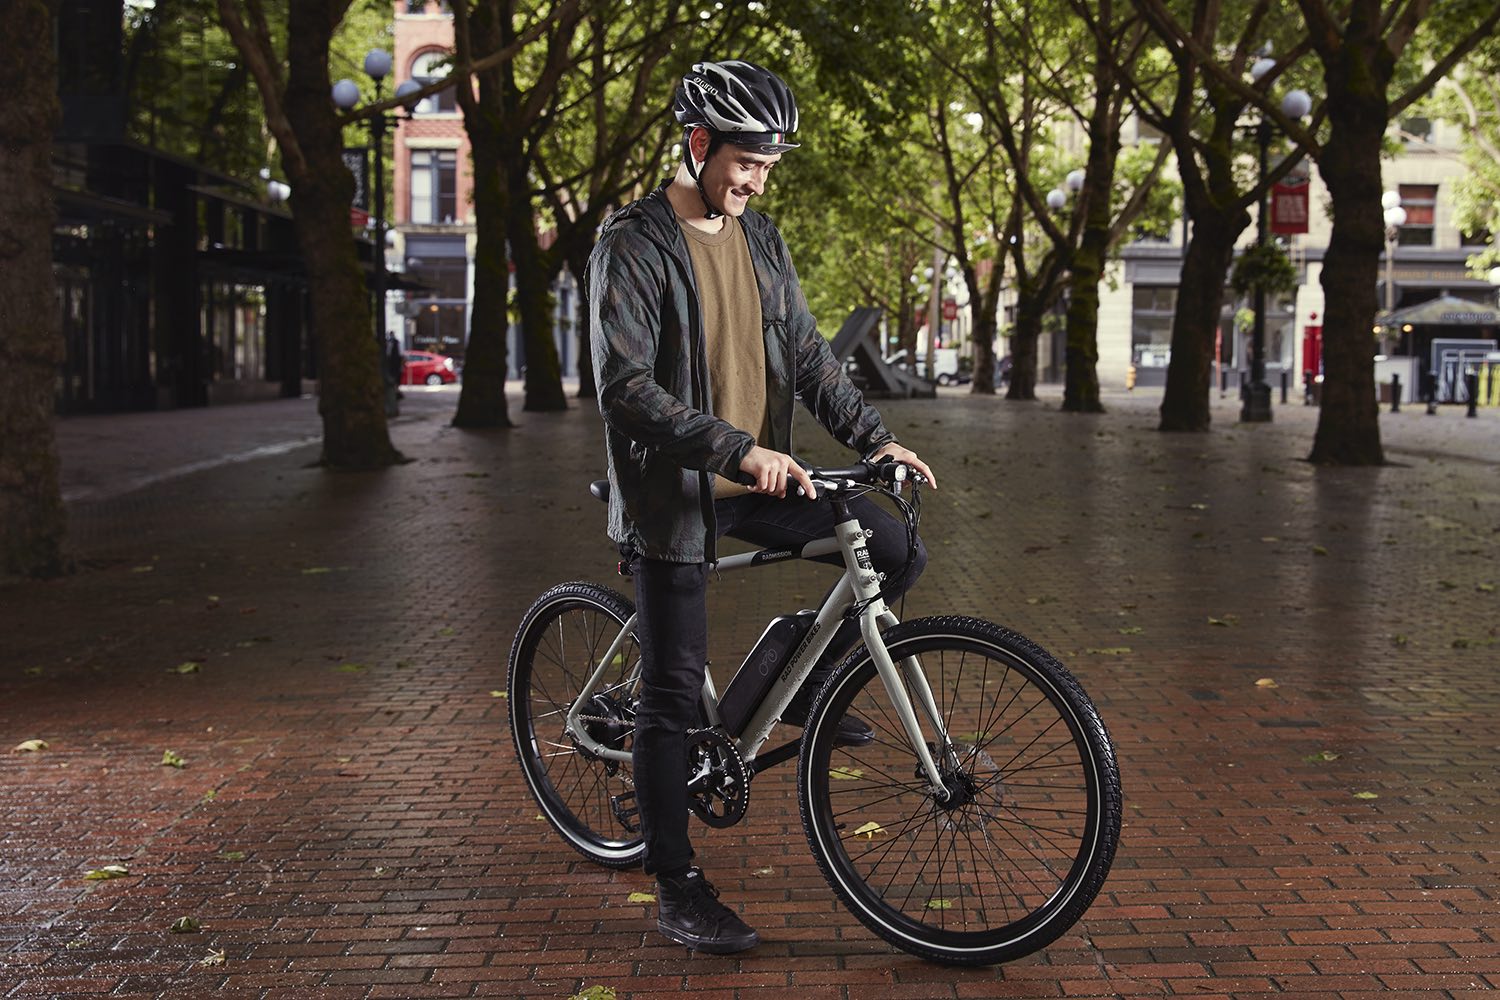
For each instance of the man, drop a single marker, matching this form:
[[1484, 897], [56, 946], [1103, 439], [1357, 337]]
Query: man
[[701, 340]]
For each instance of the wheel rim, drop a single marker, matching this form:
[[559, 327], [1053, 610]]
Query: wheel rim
[[579, 791], [1009, 850]]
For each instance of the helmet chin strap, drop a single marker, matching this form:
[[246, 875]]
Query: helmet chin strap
[[709, 211]]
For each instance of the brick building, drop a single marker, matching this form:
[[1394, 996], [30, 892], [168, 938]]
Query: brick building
[[432, 188]]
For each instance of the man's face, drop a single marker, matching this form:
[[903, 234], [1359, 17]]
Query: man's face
[[733, 174]]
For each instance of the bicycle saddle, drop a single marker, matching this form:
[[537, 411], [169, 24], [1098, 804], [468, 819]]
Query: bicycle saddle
[[600, 489]]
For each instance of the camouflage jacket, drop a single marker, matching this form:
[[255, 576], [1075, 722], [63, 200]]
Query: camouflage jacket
[[650, 364]]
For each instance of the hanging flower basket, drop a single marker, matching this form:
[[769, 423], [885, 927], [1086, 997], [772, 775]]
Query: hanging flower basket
[[1267, 266]]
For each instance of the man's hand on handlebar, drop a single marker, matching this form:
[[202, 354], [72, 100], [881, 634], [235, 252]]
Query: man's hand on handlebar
[[907, 457], [771, 471]]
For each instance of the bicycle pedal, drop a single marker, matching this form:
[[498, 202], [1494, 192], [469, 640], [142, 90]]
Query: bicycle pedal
[[625, 814]]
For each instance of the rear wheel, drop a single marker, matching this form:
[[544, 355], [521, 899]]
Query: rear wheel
[[588, 798], [1020, 843], [434, 379]]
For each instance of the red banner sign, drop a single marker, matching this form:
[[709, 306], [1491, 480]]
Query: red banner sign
[[1289, 207]]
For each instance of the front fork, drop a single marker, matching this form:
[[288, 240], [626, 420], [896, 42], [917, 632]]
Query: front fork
[[875, 616]]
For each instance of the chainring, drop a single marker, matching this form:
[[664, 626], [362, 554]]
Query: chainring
[[718, 783]]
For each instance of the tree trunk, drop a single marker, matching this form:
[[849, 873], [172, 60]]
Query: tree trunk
[[481, 402], [1081, 379], [534, 299], [351, 389], [32, 519], [1349, 420], [587, 387], [1023, 346], [1200, 303], [985, 327]]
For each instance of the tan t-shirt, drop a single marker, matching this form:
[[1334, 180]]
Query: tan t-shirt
[[729, 296]]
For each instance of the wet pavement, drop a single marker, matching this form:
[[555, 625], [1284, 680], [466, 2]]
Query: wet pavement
[[1300, 668]]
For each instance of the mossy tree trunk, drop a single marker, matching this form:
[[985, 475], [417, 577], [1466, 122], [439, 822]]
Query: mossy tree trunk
[[32, 519], [481, 401], [1357, 74], [300, 114]]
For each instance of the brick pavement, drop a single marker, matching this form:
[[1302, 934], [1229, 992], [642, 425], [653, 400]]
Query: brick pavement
[[350, 821]]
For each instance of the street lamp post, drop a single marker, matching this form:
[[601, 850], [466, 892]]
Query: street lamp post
[[1395, 218], [346, 96], [1257, 404]]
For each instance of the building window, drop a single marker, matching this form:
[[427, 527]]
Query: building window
[[434, 185], [1420, 202], [416, 6], [1480, 238], [1415, 130], [1151, 326], [431, 67]]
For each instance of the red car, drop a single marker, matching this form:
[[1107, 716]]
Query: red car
[[432, 369]]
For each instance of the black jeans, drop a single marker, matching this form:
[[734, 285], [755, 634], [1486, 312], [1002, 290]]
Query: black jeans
[[672, 628]]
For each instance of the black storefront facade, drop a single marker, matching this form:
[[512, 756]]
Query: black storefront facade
[[176, 286]]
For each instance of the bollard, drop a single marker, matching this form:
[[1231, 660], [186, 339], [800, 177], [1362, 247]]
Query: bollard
[[1471, 383], [1431, 381], [1307, 384], [1395, 393], [1284, 376], [1223, 380]]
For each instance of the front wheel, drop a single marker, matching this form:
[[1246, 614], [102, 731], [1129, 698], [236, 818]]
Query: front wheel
[[1020, 842], [587, 797]]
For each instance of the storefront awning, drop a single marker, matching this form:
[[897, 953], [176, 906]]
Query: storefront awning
[[1445, 310]]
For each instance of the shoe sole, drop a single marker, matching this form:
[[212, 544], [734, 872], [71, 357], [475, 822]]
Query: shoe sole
[[709, 946]]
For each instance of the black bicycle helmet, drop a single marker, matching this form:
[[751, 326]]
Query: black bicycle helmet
[[738, 102]]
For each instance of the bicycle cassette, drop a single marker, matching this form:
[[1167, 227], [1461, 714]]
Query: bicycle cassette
[[718, 784]]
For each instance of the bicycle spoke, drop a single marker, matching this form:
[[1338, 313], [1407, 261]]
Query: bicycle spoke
[[989, 866]]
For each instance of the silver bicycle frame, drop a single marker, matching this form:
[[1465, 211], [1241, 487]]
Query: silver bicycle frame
[[859, 583]]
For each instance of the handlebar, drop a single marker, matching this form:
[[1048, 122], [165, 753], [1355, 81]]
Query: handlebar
[[887, 471]]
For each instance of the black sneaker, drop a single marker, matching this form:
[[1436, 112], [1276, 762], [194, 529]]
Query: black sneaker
[[852, 731], [689, 912]]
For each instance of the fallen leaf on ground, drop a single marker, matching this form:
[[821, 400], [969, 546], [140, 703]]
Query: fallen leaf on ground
[[641, 897], [314, 570], [170, 758], [939, 904], [1266, 682], [1321, 756], [1366, 795], [185, 925], [190, 667], [869, 830], [1109, 651], [29, 746], [595, 993], [497, 694], [845, 773], [107, 872], [231, 855], [350, 668], [215, 958]]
